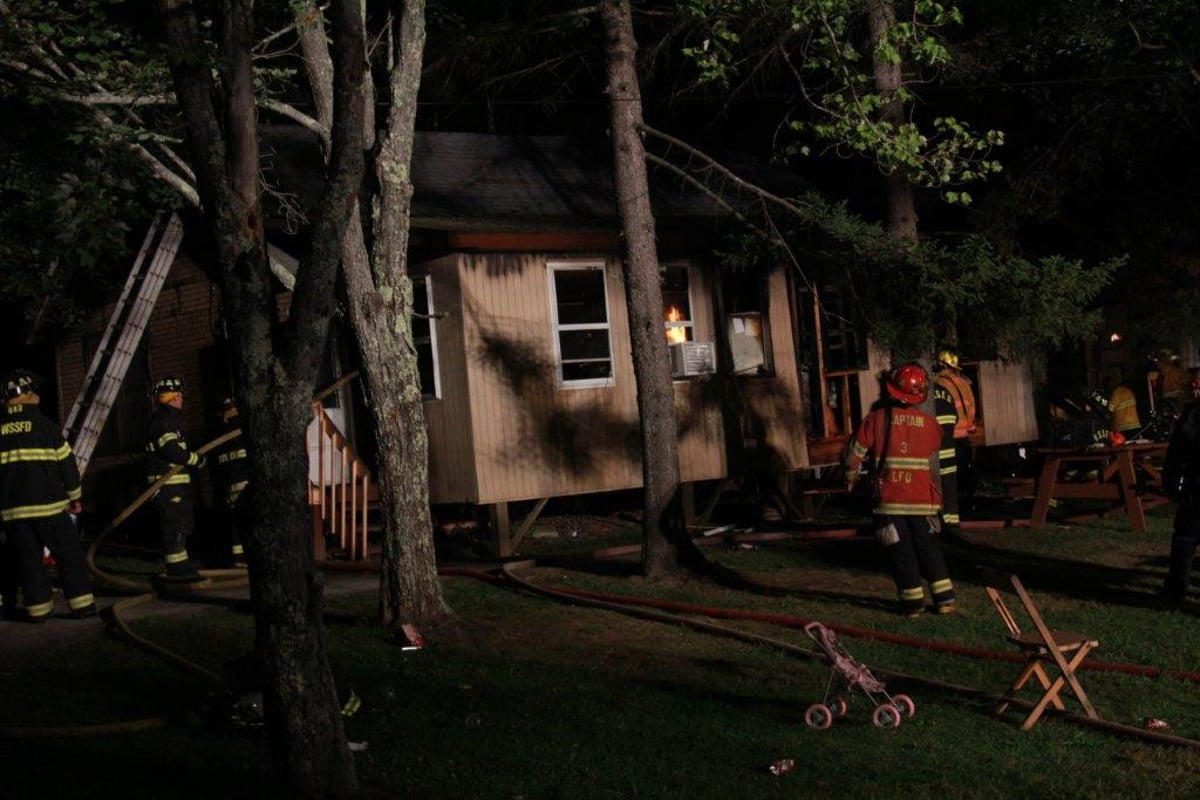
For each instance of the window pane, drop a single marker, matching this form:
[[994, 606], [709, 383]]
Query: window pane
[[587, 371], [580, 296], [574, 345], [420, 324], [425, 368]]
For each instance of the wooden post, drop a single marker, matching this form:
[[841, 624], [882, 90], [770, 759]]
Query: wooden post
[[501, 541], [318, 533], [1133, 503]]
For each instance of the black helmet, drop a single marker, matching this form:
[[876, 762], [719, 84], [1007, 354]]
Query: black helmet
[[21, 381]]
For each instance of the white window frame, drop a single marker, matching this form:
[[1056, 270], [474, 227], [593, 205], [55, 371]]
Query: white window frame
[[689, 324], [427, 282], [553, 267]]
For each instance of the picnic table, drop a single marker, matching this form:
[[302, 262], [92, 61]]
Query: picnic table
[[1099, 473]]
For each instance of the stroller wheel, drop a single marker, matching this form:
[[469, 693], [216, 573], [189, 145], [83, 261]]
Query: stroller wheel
[[905, 704], [837, 706], [886, 716], [818, 717]]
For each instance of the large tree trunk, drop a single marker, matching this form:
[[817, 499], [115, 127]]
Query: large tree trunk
[[276, 367], [667, 546], [901, 200], [381, 313]]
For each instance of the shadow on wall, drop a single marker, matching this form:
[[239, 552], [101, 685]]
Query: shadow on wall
[[576, 439]]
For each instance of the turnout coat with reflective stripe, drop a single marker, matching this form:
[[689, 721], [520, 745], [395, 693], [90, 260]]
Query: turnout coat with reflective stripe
[[959, 388], [38, 473], [909, 486], [232, 466], [167, 446]]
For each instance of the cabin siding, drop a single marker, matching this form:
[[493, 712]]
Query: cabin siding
[[535, 438], [1006, 403], [448, 418], [777, 400]]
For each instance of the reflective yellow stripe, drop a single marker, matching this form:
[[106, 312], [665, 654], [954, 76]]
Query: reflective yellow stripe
[[951, 519], [951, 470], [230, 456], [238, 550], [947, 419], [946, 454], [176, 558], [180, 477], [34, 512], [942, 586], [166, 437], [907, 510], [34, 454], [82, 601], [894, 462], [41, 609], [912, 594]]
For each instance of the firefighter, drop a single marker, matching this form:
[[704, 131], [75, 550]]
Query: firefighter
[[40, 491], [1181, 480], [905, 440], [953, 396], [1123, 406], [174, 501], [1173, 382], [231, 468]]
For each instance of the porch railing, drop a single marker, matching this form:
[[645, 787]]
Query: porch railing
[[340, 488]]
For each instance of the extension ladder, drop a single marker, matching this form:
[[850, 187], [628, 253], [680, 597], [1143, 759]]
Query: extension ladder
[[111, 360]]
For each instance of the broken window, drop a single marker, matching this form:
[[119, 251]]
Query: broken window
[[582, 340]]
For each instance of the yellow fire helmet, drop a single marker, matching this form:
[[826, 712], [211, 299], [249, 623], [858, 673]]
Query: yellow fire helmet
[[948, 358]]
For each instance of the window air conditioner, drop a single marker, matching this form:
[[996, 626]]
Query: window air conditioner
[[693, 358]]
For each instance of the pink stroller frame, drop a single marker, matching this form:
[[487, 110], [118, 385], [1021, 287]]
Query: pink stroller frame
[[847, 675]]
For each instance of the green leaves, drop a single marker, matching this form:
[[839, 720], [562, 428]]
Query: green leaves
[[828, 41]]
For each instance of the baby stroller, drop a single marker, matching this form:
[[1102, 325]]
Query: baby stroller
[[846, 675]]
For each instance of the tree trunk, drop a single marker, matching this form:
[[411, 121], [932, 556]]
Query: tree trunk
[[276, 367], [381, 313], [667, 547], [901, 200]]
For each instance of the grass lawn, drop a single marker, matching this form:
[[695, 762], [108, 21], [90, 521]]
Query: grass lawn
[[532, 698]]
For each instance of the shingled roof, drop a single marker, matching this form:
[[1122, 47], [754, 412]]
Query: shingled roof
[[486, 182]]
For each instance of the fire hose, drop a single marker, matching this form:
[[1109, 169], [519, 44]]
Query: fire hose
[[143, 592], [653, 609]]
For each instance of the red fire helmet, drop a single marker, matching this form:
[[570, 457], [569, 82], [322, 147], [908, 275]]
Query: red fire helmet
[[908, 383]]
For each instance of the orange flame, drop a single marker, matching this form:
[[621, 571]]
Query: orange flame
[[679, 333]]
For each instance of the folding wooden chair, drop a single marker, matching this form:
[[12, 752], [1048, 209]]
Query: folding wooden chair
[[1044, 649]]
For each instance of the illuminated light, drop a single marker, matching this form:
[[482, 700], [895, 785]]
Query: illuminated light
[[677, 333], [1114, 337]]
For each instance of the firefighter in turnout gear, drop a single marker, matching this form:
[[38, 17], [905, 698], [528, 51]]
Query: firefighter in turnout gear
[[903, 440], [39, 491], [954, 404], [231, 469], [174, 501], [1123, 406], [1173, 383]]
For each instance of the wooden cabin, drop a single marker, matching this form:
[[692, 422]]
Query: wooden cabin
[[523, 338], [523, 334]]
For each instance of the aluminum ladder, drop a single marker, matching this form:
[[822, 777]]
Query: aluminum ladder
[[111, 360]]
